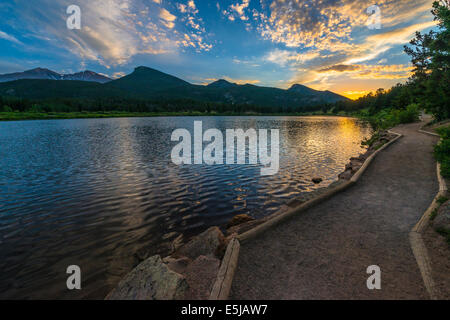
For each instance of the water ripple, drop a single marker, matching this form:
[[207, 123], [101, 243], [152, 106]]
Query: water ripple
[[95, 192]]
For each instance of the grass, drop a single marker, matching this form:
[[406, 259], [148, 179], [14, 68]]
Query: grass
[[27, 115], [390, 117], [433, 214], [11, 116], [441, 200], [370, 141], [444, 232]]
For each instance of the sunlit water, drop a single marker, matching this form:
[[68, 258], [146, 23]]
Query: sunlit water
[[94, 192]]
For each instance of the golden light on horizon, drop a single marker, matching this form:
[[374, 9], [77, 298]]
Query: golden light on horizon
[[353, 95]]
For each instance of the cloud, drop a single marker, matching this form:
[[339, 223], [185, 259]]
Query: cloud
[[182, 7], [191, 4], [334, 40], [113, 31], [323, 24], [194, 34], [377, 44], [369, 71], [340, 68], [4, 35], [240, 9], [119, 74], [167, 18], [285, 57], [237, 11]]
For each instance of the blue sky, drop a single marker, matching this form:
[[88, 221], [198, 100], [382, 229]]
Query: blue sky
[[324, 44]]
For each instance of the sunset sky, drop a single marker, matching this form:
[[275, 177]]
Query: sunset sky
[[324, 44]]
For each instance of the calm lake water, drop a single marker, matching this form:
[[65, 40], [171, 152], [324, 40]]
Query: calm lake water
[[94, 192]]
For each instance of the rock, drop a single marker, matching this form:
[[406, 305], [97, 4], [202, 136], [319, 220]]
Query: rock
[[243, 227], [355, 162], [177, 265], [346, 175], [209, 243], [238, 219], [201, 275], [295, 203], [355, 168], [377, 145], [364, 156], [151, 280], [142, 254], [177, 243], [442, 220], [317, 180]]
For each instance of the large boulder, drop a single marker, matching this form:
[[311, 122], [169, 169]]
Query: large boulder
[[201, 275], [209, 243], [442, 220], [151, 280], [178, 265]]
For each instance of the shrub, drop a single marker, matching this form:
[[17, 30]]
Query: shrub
[[410, 114], [444, 232], [442, 151], [6, 109], [444, 132], [36, 109]]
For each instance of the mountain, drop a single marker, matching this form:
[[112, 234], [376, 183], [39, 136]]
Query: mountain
[[46, 74], [86, 76], [301, 89], [329, 96], [144, 82], [221, 83], [37, 73], [152, 85]]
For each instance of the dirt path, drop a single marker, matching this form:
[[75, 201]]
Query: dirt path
[[324, 252]]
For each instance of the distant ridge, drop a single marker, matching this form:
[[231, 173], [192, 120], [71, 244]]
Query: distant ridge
[[46, 74], [145, 83], [221, 83]]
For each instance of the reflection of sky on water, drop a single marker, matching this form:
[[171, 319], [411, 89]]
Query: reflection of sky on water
[[94, 192]]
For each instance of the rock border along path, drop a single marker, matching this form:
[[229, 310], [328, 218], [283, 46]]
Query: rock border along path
[[415, 236], [324, 253]]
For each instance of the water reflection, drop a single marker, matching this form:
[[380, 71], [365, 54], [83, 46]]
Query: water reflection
[[94, 192]]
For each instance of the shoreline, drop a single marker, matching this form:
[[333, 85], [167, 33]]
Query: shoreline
[[353, 170], [30, 116], [361, 226], [242, 227], [219, 262]]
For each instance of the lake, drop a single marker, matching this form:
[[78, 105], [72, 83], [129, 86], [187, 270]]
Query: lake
[[95, 192]]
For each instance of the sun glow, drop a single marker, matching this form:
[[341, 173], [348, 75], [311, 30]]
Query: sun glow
[[355, 94]]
